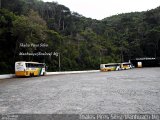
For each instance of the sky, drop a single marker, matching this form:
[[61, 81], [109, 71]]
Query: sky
[[99, 9]]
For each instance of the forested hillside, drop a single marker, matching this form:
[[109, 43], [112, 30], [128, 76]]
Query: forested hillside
[[83, 43]]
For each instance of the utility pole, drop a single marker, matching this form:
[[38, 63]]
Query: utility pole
[[59, 56], [122, 56], [100, 55], [0, 4]]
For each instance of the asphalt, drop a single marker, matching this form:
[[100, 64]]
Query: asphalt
[[128, 91]]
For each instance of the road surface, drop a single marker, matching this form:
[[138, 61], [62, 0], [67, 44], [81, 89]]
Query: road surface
[[128, 91]]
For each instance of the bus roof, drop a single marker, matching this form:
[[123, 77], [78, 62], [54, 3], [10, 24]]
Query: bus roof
[[126, 63], [111, 64], [29, 62]]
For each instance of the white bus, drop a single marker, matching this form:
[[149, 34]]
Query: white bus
[[110, 67], [23, 68], [126, 66]]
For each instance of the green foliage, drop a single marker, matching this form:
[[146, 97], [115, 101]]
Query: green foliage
[[83, 43]]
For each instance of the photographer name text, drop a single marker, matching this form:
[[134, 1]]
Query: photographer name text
[[25, 45]]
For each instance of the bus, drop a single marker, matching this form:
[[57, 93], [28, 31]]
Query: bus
[[126, 66], [110, 67], [23, 68]]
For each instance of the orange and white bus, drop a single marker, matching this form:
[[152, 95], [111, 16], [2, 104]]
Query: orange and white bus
[[126, 66], [110, 67], [23, 68]]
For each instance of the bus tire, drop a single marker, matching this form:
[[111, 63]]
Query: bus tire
[[31, 74], [43, 73]]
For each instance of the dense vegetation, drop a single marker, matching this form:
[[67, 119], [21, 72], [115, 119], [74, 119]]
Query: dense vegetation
[[83, 43]]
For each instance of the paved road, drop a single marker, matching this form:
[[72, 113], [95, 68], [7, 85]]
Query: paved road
[[128, 91]]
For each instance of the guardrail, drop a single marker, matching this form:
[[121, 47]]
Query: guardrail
[[51, 73], [7, 76], [71, 72]]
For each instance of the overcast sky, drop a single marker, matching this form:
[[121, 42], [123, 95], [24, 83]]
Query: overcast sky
[[99, 9]]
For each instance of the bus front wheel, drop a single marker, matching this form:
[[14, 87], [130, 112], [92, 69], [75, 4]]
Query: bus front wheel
[[31, 74], [43, 73]]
